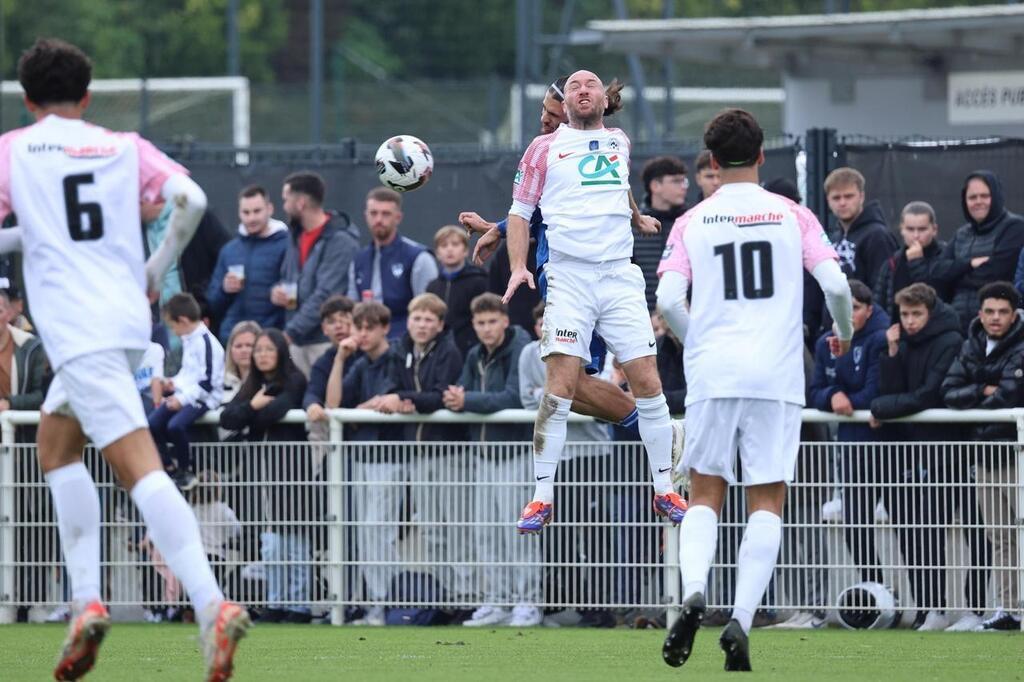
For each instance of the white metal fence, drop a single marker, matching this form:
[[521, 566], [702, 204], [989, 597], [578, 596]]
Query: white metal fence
[[324, 526]]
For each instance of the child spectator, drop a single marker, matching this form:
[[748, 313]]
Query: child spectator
[[238, 359], [457, 284], [427, 363], [336, 324], [490, 382], [273, 387], [195, 389], [377, 499]]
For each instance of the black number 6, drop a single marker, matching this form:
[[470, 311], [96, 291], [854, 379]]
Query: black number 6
[[93, 229]]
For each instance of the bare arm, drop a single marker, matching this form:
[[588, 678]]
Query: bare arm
[[189, 203], [518, 237], [333, 397]]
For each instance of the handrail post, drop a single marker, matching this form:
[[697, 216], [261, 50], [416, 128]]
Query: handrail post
[[8, 613], [335, 520], [1019, 577]]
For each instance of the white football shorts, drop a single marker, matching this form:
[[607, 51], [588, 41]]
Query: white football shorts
[[604, 297], [98, 389], [765, 432]]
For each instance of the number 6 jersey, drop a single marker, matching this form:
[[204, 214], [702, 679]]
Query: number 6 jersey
[[744, 250], [75, 188]]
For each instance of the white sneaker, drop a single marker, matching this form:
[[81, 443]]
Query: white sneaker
[[487, 615], [832, 511], [881, 513], [60, 614], [525, 616], [375, 616], [967, 622], [934, 621], [797, 620]]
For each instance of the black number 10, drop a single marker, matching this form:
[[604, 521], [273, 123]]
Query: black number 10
[[76, 209], [764, 288]]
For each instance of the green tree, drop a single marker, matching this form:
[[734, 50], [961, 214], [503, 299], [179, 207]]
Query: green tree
[[157, 38]]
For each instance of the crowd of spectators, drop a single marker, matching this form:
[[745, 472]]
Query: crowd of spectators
[[296, 315]]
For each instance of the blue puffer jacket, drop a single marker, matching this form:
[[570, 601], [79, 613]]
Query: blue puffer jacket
[[262, 258], [855, 374]]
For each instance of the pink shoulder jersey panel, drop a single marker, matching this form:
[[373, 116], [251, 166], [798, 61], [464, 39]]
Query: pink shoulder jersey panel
[[154, 166], [816, 246], [5, 169], [529, 181], [675, 257]]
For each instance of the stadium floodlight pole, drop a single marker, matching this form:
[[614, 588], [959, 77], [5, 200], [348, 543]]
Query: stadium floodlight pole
[[234, 63], [316, 69], [667, 11]]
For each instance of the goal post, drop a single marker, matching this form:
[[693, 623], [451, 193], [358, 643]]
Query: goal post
[[212, 109]]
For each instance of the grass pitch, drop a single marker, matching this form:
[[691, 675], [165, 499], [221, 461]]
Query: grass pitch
[[310, 653]]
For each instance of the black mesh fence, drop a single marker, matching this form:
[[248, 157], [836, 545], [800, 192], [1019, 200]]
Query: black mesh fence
[[900, 171]]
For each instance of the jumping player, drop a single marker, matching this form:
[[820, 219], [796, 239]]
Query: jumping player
[[75, 189], [578, 176], [742, 250], [594, 397]]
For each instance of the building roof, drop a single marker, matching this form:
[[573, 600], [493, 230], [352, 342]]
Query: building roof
[[988, 36]]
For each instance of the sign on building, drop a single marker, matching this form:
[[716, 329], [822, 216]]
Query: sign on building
[[986, 97]]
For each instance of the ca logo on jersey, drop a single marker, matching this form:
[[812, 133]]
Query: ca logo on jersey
[[518, 177], [599, 169]]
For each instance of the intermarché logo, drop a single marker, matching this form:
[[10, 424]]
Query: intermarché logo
[[596, 168]]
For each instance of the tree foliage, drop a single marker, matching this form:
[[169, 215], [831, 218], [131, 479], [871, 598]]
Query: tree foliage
[[156, 38]]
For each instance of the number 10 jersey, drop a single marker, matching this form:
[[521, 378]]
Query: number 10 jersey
[[75, 189], [744, 250]]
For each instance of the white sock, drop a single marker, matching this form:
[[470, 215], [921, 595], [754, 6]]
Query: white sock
[[698, 539], [756, 561], [77, 505], [175, 532], [656, 433], [548, 442]]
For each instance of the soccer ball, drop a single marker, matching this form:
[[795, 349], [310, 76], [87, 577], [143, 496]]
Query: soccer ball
[[404, 163]]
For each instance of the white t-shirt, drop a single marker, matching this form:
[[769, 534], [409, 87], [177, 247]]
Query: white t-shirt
[[75, 188], [151, 367], [744, 249], [580, 180]]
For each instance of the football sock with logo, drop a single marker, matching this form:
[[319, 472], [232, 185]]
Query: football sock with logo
[[656, 433], [631, 422], [548, 441], [698, 538], [77, 505], [756, 561], [175, 532]]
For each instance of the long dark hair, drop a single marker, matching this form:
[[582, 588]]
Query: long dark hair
[[275, 380]]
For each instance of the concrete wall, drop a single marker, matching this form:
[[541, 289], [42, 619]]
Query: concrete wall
[[877, 105]]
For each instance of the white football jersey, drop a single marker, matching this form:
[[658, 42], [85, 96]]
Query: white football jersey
[[580, 180], [75, 189], [744, 250]]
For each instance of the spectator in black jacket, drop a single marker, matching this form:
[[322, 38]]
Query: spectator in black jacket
[[427, 363], [665, 186], [919, 350], [457, 284], [670, 369], [989, 375], [336, 324], [273, 387], [377, 504], [983, 250], [915, 261], [863, 240]]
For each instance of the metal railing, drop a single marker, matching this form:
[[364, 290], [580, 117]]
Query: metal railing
[[322, 526]]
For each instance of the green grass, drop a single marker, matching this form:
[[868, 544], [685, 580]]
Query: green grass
[[311, 653]]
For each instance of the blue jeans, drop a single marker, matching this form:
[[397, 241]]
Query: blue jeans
[[170, 427], [286, 558]]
